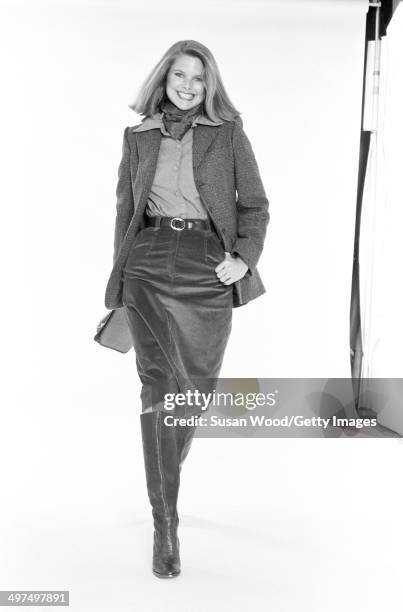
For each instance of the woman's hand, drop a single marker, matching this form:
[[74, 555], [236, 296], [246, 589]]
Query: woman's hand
[[231, 269]]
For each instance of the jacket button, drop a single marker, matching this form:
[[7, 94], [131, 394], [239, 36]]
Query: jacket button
[[223, 230]]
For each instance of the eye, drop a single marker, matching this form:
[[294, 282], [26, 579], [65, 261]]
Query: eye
[[177, 73], [198, 78]]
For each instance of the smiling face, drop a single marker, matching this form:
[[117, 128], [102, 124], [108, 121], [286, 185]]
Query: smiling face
[[185, 82]]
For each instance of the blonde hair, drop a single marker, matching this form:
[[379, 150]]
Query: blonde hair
[[217, 105]]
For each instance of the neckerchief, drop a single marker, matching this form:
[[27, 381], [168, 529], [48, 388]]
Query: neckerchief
[[178, 121]]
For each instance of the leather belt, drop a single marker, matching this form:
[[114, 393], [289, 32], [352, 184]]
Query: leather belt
[[177, 223]]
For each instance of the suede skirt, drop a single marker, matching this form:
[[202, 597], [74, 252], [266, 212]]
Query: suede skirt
[[179, 314]]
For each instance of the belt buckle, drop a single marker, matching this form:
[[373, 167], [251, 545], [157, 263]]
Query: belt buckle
[[172, 224]]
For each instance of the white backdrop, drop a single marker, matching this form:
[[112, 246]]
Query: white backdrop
[[75, 505]]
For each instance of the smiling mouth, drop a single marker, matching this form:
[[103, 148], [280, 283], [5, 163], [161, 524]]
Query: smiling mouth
[[185, 96]]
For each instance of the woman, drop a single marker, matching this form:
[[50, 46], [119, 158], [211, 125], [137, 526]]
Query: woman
[[190, 226]]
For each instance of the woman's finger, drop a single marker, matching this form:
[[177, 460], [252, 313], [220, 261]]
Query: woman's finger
[[224, 277], [221, 266]]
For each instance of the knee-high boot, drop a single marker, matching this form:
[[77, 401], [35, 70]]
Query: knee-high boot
[[165, 449], [162, 467]]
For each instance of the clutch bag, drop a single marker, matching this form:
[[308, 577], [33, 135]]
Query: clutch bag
[[113, 331]]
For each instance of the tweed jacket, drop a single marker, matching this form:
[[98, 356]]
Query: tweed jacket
[[227, 177]]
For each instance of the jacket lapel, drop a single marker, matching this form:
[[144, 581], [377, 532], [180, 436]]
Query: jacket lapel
[[148, 146], [203, 136]]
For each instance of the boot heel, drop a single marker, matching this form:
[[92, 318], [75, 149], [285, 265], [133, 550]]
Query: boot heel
[[169, 575]]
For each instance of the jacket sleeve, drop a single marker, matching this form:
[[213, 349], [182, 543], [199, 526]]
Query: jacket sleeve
[[252, 203], [124, 197]]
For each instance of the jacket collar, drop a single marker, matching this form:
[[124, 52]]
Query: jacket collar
[[155, 122]]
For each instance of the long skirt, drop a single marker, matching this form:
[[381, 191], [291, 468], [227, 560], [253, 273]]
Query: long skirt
[[179, 314]]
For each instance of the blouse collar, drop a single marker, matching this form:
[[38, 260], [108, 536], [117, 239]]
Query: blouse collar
[[154, 122]]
